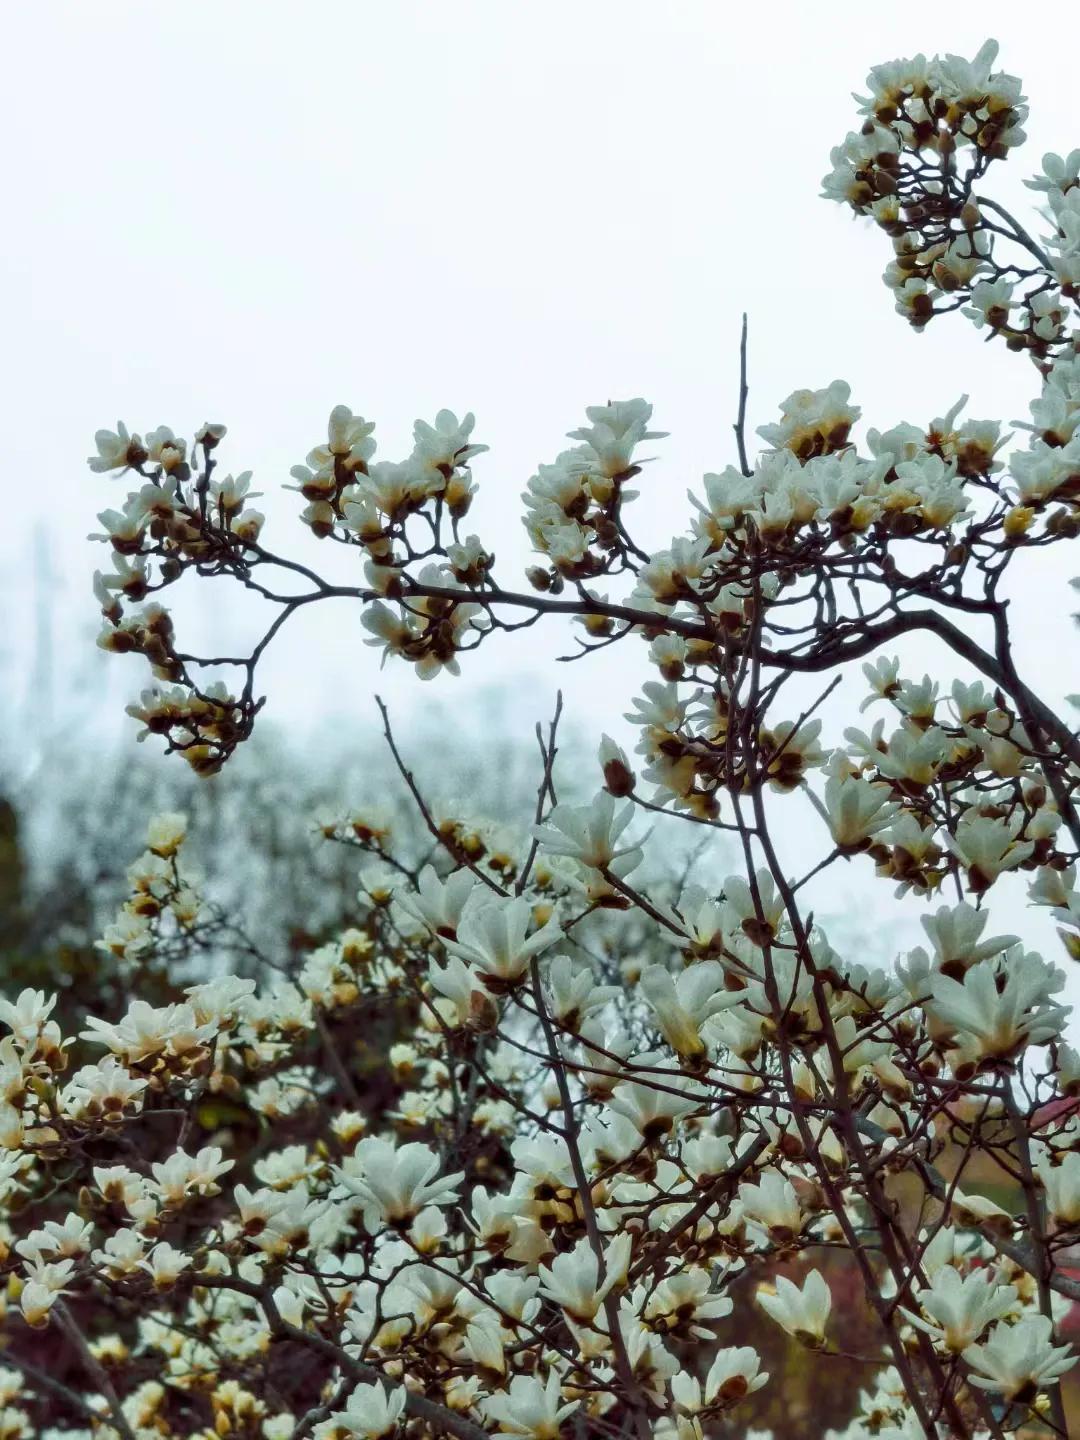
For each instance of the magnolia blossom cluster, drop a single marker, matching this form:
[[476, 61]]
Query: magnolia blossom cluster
[[763, 544], [622, 1115], [932, 128], [180, 519]]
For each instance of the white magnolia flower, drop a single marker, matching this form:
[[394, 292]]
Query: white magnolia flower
[[734, 1373], [957, 1309], [116, 450], [774, 1204], [395, 1183], [615, 431], [684, 1002], [165, 1264], [998, 1012], [493, 937], [955, 933], [26, 1016], [372, 1412], [464, 998], [589, 833], [986, 848], [182, 1174], [530, 1408], [446, 443], [122, 1253], [1019, 1360], [1062, 1185], [857, 809], [760, 915], [436, 903], [57, 1240], [146, 1030], [653, 1110], [573, 1280], [804, 1312], [35, 1299], [681, 1300], [571, 991]]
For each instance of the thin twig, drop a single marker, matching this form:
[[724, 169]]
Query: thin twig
[[744, 390]]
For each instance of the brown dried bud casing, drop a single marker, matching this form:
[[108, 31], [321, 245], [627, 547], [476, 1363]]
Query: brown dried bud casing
[[618, 779]]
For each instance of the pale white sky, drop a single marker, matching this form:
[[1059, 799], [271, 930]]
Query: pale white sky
[[253, 211]]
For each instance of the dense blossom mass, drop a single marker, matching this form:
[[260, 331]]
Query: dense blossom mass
[[628, 1114]]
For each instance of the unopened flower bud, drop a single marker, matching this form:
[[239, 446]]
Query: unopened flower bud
[[619, 778]]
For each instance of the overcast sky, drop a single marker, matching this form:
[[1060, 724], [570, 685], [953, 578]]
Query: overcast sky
[[250, 212]]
